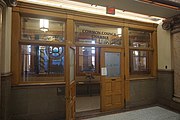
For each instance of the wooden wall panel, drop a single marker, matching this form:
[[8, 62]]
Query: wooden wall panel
[[15, 57]]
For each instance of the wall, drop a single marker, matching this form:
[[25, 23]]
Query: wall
[[6, 43], [164, 48], [165, 80], [6, 93], [165, 89], [142, 92], [5, 64], [38, 103]]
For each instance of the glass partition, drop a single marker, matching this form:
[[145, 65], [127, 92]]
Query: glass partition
[[41, 61], [87, 59], [140, 61], [42, 29], [72, 63], [98, 34]]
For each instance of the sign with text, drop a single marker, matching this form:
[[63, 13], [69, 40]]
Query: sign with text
[[91, 34]]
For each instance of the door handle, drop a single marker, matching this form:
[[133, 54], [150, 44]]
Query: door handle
[[113, 79]]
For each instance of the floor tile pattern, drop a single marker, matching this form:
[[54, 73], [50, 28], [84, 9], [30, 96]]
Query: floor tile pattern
[[152, 113], [87, 103]]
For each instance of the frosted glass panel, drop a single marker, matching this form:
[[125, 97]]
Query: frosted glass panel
[[71, 53], [112, 63]]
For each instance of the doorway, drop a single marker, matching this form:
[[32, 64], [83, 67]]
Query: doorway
[[110, 84], [112, 79], [88, 79]]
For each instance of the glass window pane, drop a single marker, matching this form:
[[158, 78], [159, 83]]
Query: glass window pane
[[140, 61], [98, 34], [41, 61], [112, 63], [72, 64], [42, 29], [139, 38], [87, 58]]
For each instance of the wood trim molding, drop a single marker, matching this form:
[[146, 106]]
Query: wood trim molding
[[6, 74], [164, 70]]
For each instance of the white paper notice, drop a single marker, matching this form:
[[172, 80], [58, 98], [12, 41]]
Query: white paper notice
[[103, 71]]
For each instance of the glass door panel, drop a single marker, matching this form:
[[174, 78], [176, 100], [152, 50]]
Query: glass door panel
[[112, 63]]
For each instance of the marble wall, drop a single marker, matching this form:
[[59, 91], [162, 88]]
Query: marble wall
[[176, 57], [6, 94], [176, 51], [142, 92], [165, 88], [38, 103]]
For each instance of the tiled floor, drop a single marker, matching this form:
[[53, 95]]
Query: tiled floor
[[87, 103], [152, 113]]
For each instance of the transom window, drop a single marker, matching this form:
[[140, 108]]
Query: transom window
[[42, 29], [98, 34]]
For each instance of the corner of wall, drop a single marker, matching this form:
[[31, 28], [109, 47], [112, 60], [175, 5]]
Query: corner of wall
[[164, 48], [6, 42]]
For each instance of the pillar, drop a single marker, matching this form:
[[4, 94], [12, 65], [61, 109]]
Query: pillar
[[176, 56]]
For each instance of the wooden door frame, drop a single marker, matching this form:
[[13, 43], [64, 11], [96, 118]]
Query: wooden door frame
[[68, 83], [122, 60]]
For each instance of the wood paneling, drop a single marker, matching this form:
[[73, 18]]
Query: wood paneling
[[15, 50], [72, 100], [70, 86], [154, 44], [126, 44], [69, 31]]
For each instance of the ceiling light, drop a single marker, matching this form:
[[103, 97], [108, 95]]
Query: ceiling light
[[44, 25]]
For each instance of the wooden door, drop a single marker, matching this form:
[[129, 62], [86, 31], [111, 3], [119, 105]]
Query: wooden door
[[112, 79], [70, 85]]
